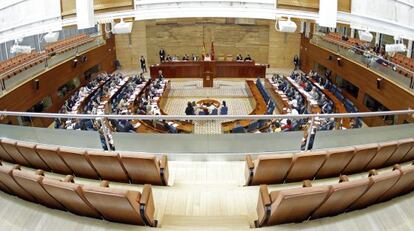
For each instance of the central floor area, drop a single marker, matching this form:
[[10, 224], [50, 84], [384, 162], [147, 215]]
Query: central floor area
[[232, 91]]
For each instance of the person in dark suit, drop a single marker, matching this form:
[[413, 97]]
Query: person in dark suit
[[143, 64], [162, 55], [247, 58], [296, 62], [160, 76], [190, 109]]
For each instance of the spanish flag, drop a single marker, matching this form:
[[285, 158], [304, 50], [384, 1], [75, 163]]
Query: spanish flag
[[204, 50]]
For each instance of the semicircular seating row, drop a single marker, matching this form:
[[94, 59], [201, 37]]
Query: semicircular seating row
[[324, 164], [301, 204], [126, 206], [115, 166]]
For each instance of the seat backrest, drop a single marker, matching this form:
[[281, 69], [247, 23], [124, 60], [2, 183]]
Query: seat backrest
[[71, 196], [10, 147], [342, 195], [306, 165], [78, 162], [404, 184], [142, 168], [336, 161], [363, 155], [4, 155], [385, 151], [295, 205], [271, 169], [404, 146], [381, 184], [31, 182], [7, 179], [117, 205], [108, 165], [50, 156], [409, 156], [28, 151]]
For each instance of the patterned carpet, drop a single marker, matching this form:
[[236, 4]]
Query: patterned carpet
[[233, 92]]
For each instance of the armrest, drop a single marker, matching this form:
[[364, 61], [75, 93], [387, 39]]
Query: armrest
[[16, 166], [249, 170], [396, 167], [104, 184], [372, 172], [307, 184], [343, 178], [146, 206], [263, 206], [68, 178], [164, 170], [40, 172]]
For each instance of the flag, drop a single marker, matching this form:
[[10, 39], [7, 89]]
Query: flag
[[212, 51], [204, 50]]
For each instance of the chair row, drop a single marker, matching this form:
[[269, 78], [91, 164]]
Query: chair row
[[21, 63], [68, 44], [102, 202], [114, 166], [301, 204], [405, 62], [279, 168]]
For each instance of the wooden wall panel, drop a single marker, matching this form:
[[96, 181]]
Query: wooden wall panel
[[282, 48], [311, 5], [25, 96], [390, 95]]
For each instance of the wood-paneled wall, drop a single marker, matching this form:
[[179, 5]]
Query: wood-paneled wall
[[69, 6], [311, 5], [185, 36], [390, 95], [26, 96]]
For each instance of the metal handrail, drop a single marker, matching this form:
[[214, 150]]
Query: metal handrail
[[206, 117]]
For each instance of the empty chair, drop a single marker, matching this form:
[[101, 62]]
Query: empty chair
[[28, 151], [291, 205], [4, 155], [404, 185], [385, 151], [239, 129], [335, 162], [11, 149], [108, 165], [31, 182], [404, 146], [78, 162], [145, 169], [267, 169], [342, 195], [363, 155], [14, 188], [380, 184], [253, 126], [306, 165], [70, 195], [409, 156], [50, 156], [122, 205]]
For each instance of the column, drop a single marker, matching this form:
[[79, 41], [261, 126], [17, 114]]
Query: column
[[410, 49]]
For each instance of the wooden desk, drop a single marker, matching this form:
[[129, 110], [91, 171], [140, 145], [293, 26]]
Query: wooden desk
[[260, 108], [339, 106], [209, 70], [281, 100], [313, 104]]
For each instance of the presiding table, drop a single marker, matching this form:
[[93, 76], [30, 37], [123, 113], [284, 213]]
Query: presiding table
[[209, 70]]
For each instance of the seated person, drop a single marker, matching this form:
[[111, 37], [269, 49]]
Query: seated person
[[207, 57], [223, 109], [190, 109], [287, 126], [247, 58], [239, 58]]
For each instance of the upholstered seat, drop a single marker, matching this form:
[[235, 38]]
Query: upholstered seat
[[6, 178], [267, 169], [4, 155], [122, 205], [71, 196], [108, 165], [77, 160], [11, 149], [31, 182], [385, 151], [145, 169], [404, 146], [28, 151], [363, 155], [50, 156], [336, 161], [306, 165], [404, 184]]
